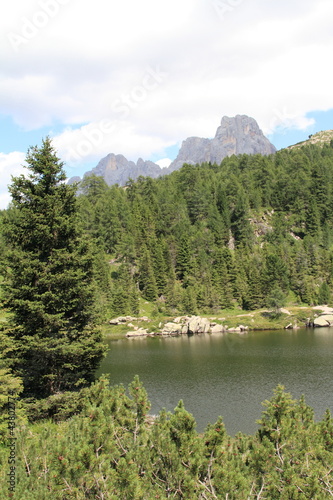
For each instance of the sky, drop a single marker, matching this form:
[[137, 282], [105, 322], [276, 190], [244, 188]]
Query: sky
[[138, 78]]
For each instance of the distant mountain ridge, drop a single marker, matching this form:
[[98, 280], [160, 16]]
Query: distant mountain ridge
[[116, 169], [238, 135]]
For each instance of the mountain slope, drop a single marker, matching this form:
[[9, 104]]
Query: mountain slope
[[320, 138]]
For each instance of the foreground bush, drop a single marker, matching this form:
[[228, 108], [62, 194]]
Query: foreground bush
[[111, 449]]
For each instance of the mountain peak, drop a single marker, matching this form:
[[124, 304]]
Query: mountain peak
[[236, 135]]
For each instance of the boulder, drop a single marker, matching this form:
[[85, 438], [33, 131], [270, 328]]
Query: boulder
[[217, 329], [181, 319], [184, 329], [243, 328], [285, 311], [172, 329], [239, 329], [121, 320], [324, 320], [141, 332], [114, 321], [196, 324]]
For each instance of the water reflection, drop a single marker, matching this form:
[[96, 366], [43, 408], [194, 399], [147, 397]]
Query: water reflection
[[228, 374]]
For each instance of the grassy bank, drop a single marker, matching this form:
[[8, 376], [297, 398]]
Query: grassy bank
[[261, 319]]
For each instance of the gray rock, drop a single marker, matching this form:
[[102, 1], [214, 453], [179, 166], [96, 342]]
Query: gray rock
[[193, 150], [172, 329], [235, 330], [184, 329], [196, 324], [217, 329], [116, 169], [238, 135], [138, 333], [181, 319], [114, 321], [74, 179], [239, 329], [323, 320], [121, 320]]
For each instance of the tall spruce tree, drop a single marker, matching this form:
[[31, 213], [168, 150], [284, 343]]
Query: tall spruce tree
[[50, 282]]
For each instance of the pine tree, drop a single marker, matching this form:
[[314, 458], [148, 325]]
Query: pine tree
[[221, 280], [50, 281], [147, 281], [324, 294], [240, 223], [125, 299], [183, 257]]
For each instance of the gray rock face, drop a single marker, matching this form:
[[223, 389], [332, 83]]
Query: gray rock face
[[193, 150], [238, 135], [116, 169], [74, 179]]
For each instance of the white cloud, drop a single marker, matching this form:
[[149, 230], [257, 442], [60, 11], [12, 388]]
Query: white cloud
[[91, 142], [164, 162], [10, 165], [90, 62]]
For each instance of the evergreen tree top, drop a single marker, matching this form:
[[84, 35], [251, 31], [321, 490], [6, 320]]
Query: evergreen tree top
[[45, 173]]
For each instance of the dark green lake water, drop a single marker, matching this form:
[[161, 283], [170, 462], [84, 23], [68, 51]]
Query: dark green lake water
[[228, 375]]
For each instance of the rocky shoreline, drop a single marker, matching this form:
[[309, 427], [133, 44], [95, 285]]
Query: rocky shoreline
[[186, 325], [181, 325], [192, 325]]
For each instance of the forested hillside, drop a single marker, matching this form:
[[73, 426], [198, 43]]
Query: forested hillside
[[209, 237]]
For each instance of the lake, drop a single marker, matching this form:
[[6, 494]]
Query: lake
[[227, 374]]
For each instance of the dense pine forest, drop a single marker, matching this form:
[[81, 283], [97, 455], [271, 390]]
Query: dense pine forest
[[251, 232], [210, 237]]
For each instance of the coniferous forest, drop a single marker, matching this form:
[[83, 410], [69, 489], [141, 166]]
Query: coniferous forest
[[210, 237], [251, 231]]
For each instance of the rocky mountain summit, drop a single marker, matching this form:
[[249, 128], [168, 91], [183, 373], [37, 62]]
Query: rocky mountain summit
[[235, 136], [116, 169], [238, 135]]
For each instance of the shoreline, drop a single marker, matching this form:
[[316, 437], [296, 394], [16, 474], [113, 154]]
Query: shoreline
[[233, 321]]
